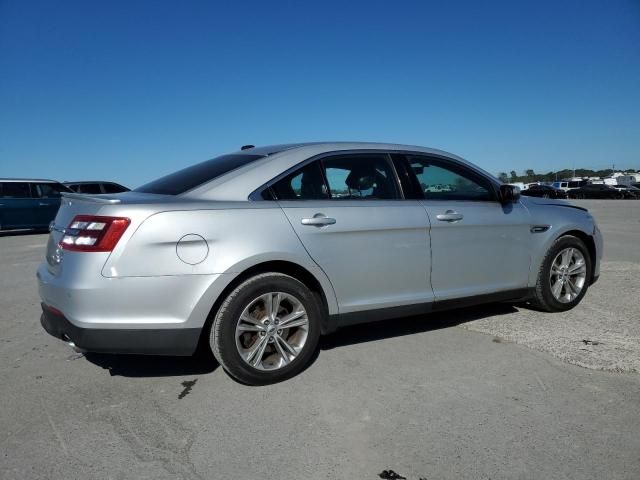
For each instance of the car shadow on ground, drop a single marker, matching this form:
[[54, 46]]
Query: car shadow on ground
[[135, 366], [203, 362], [398, 327]]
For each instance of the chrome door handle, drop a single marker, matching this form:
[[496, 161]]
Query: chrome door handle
[[318, 220], [43, 204], [450, 216]]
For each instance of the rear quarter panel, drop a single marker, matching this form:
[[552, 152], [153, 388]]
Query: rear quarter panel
[[237, 238]]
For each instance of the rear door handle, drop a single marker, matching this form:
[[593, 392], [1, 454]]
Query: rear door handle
[[43, 204], [450, 216], [318, 220]]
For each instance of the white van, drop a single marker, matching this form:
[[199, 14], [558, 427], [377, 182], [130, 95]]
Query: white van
[[568, 184], [628, 179]]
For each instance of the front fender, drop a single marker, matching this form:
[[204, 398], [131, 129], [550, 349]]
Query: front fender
[[560, 219]]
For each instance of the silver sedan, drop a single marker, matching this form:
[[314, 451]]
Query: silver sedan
[[257, 253]]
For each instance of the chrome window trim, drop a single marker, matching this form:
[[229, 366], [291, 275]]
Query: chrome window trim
[[256, 195]]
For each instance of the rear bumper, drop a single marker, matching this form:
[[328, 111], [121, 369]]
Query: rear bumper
[[166, 341]]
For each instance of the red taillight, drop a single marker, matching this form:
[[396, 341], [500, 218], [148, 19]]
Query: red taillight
[[89, 233]]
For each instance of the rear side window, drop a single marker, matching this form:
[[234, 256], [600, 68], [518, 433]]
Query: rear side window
[[360, 177], [304, 184], [90, 188], [113, 188], [15, 190], [196, 175]]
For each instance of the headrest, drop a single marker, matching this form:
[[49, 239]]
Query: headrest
[[361, 179]]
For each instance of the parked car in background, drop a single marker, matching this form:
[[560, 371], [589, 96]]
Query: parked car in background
[[257, 253], [544, 191], [95, 188], [599, 190], [28, 203], [628, 188], [568, 184]]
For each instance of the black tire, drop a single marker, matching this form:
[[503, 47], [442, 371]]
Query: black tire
[[543, 297], [545, 195], [222, 338]]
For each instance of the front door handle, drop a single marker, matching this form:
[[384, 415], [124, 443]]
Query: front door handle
[[43, 204], [318, 220], [450, 216]]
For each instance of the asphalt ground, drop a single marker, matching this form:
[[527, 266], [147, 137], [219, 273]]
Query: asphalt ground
[[487, 392], [603, 332]]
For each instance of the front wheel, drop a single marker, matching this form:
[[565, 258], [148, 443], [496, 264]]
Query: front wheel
[[564, 275], [267, 329]]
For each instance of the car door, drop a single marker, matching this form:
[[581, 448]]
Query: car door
[[478, 245], [348, 211], [17, 208]]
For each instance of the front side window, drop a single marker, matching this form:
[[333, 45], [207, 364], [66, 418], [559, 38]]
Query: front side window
[[360, 177], [15, 190], [441, 181], [306, 183]]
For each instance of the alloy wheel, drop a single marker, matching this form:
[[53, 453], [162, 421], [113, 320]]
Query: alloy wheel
[[568, 275], [272, 331]]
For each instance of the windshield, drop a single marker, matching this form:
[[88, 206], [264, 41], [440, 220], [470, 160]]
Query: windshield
[[191, 177]]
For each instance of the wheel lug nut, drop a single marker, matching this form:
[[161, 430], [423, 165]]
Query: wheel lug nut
[[266, 322], [262, 334], [279, 332], [276, 322]]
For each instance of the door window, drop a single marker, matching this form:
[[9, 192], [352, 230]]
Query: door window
[[360, 177], [113, 188], [306, 183], [15, 190], [441, 181], [90, 188], [48, 190]]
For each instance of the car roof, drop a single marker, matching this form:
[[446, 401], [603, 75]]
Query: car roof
[[28, 180], [87, 182], [340, 145]]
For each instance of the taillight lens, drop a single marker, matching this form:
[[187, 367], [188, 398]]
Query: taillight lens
[[89, 233]]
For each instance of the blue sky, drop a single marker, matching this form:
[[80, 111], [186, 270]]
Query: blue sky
[[131, 90]]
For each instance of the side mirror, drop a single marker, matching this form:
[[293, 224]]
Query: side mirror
[[509, 193]]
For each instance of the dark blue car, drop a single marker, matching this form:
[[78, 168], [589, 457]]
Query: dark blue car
[[28, 204]]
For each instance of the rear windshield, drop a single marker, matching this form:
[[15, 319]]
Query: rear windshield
[[196, 175]]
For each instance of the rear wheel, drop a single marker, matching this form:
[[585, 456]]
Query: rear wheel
[[546, 195], [267, 329], [563, 278]]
